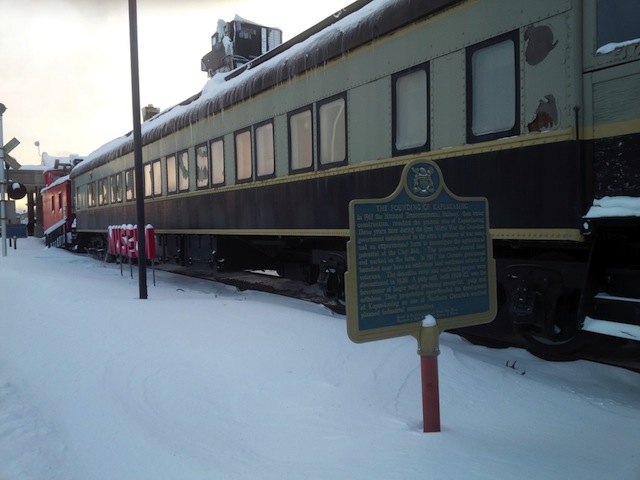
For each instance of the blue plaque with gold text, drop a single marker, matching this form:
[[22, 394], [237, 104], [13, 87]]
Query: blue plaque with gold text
[[421, 251]]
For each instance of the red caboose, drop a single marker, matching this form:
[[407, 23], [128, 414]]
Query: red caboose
[[57, 210]]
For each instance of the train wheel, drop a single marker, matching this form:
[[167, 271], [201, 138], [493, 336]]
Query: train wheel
[[549, 349], [562, 337]]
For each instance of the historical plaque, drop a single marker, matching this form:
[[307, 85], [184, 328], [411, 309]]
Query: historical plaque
[[422, 251]]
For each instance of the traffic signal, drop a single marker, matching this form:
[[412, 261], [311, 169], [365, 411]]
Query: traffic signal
[[16, 190]]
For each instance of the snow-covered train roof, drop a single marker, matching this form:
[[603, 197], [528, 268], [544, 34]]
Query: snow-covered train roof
[[349, 28], [58, 181]]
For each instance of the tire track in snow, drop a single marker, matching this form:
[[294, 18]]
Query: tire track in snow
[[23, 433]]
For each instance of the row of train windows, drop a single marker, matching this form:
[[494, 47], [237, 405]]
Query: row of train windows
[[107, 190], [255, 152], [491, 96], [491, 100], [253, 144]]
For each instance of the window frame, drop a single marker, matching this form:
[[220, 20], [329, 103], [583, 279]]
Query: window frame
[[91, 194], [207, 163], [116, 188], [425, 147], [514, 37], [236, 135], [81, 197], [604, 32], [156, 174], [103, 191], [171, 160], [319, 132], [180, 180], [147, 172], [290, 115], [212, 165], [130, 192], [257, 150]]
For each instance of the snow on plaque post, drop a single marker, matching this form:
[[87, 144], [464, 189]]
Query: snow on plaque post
[[419, 262]]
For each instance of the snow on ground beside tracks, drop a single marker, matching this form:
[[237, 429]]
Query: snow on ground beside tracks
[[201, 381]]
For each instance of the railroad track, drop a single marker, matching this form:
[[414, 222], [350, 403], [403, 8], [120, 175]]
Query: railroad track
[[262, 282], [616, 352]]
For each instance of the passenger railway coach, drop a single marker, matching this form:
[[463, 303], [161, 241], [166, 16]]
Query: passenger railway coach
[[533, 105]]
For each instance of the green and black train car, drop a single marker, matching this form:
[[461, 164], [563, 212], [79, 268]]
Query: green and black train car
[[533, 105]]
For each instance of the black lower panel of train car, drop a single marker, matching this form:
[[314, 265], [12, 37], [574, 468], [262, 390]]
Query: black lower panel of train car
[[527, 188]]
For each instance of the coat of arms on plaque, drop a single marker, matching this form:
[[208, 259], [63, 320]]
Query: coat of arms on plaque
[[423, 183]]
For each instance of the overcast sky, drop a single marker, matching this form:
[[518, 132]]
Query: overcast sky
[[65, 66]]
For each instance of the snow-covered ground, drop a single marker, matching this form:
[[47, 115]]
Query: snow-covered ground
[[201, 381]]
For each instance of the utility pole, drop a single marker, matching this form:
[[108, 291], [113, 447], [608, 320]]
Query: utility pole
[[137, 150]]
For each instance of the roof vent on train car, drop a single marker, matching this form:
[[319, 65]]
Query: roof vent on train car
[[238, 42], [149, 111]]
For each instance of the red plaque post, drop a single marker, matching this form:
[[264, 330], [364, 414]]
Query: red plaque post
[[430, 393], [429, 350]]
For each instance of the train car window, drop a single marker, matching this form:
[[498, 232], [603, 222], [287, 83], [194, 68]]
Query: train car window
[[202, 166], [112, 191], [91, 194], [217, 161], [265, 153], [156, 171], [410, 105], [103, 192], [148, 181], [492, 89], [244, 168], [130, 182], [172, 174], [81, 197], [183, 171], [116, 188], [301, 140], [617, 22], [332, 131]]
